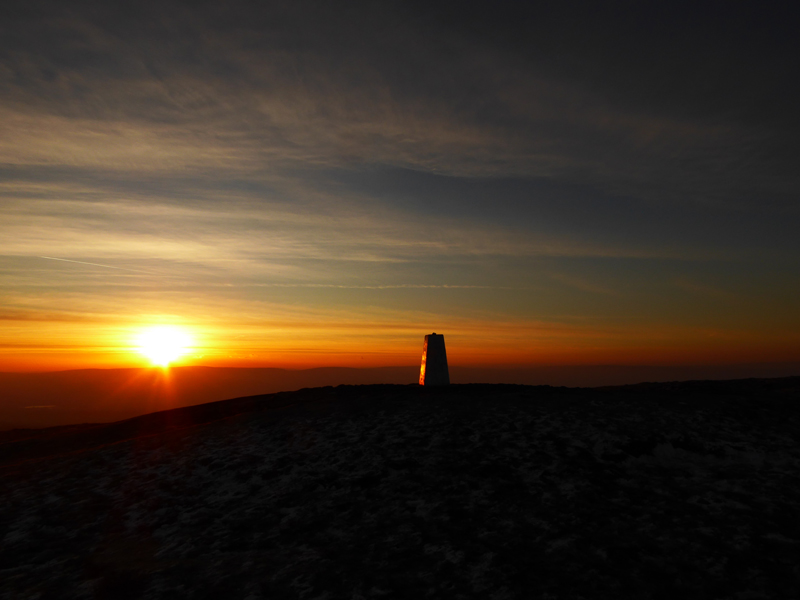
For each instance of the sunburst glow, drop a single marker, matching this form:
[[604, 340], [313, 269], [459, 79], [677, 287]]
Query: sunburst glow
[[163, 344]]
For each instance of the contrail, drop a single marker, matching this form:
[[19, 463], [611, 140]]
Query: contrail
[[80, 262], [378, 287]]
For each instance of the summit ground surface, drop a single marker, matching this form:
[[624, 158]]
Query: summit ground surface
[[684, 490]]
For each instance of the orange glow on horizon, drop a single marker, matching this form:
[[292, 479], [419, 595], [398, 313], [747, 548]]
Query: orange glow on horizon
[[162, 339]]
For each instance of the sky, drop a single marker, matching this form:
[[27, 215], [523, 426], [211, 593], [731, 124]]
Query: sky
[[303, 184]]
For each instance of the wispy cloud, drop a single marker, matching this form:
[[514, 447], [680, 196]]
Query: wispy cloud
[[314, 164], [239, 101]]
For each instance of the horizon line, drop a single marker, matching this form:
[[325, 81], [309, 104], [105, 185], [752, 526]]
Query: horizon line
[[505, 367]]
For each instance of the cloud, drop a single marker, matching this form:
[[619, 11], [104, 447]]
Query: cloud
[[230, 160], [247, 92]]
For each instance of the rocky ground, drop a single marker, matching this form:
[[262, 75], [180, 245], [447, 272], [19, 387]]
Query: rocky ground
[[654, 491]]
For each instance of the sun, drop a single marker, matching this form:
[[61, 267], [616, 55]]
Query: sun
[[163, 344]]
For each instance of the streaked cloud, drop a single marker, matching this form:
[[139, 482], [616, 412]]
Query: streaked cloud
[[314, 163]]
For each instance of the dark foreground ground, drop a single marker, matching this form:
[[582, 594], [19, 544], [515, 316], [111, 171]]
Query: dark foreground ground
[[687, 490]]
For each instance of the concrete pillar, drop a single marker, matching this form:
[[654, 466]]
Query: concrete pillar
[[433, 370]]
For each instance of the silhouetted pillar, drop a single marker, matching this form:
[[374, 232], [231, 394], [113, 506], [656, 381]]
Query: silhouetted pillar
[[433, 370]]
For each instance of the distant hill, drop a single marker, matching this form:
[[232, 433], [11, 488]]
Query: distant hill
[[104, 395], [764, 396]]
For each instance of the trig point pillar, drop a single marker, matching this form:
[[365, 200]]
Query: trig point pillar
[[433, 370]]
